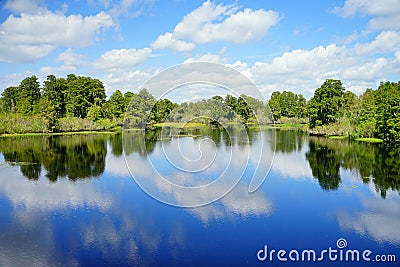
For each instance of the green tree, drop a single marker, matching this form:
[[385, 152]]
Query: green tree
[[275, 105], [29, 95], [387, 99], [116, 104], [139, 108], [287, 104], [10, 98], [301, 106], [127, 99], [325, 106], [94, 113], [82, 94], [55, 89], [244, 110], [365, 117], [48, 113], [161, 110]]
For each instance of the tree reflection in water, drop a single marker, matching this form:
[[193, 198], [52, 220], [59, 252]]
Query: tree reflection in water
[[75, 156], [83, 156], [373, 163]]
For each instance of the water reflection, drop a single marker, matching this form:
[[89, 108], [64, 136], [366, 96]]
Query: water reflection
[[75, 157], [288, 141], [49, 221], [372, 163], [380, 219], [325, 164], [193, 157]]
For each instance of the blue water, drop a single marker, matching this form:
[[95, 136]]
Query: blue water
[[107, 219]]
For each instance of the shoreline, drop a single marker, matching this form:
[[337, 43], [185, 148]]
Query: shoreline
[[58, 134], [284, 127]]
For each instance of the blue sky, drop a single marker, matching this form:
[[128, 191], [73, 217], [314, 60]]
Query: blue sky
[[280, 45]]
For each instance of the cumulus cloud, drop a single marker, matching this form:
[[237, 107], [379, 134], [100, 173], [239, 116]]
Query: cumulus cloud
[[384, 13], [47, 70], [122, 59], [125, 80], [209, 57], [387, 41], [167, 41], [25, 6], [32, 36], [70, 58], [211, 23], [359, 66], [13, 79]]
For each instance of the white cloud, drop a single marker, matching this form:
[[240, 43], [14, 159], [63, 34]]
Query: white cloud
[[209, 57], [125, 80], [359, 66], [122, 59], [128, 7], [13, 79], [384, 12], [387, 41], [211, 23], [70, 58], [25, 6], [47, 70], [167, 41], [33, 36]]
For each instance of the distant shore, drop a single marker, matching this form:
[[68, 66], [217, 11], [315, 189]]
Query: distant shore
[[278, 126]]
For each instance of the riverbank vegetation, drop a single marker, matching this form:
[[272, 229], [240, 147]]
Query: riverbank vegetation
[[79, 103]]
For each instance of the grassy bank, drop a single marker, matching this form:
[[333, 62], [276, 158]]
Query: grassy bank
[[369, 140], [35, 125], [56, 134], [180, 125]]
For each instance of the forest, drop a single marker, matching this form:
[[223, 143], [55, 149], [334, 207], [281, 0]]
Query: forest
[[78, 103]]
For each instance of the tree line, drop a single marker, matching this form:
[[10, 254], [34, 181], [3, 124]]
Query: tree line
[[62, 103], [375, 113]]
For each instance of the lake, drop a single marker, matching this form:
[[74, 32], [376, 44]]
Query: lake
[[182, 199]]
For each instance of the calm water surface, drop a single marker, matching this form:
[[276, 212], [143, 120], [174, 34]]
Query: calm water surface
[[71, 200]]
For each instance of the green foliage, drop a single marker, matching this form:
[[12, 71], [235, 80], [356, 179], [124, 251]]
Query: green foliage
[[287, 104], [161, 111], [73, 124], [82, 94], [331, 111], [116, 105], [387, 101], [365, 115], [94, 113], [28, 95], [55, 90], [10, 98], [48, 114], [18, 123], [240, 107], [139, 108], [325, 106]]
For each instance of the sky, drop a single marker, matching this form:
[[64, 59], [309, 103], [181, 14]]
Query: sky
[[278, 45]]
